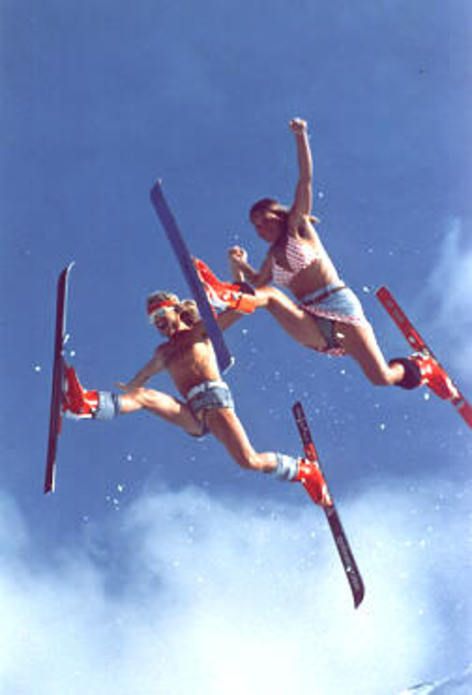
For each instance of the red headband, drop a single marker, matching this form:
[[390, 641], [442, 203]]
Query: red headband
[[158, 304]]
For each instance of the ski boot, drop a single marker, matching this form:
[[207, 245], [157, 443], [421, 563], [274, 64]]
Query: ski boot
[[433, 376], [225, 295], [311, 477], [77, 403]]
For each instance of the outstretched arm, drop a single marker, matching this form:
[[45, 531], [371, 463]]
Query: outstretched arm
[[304, 191], [155, 365], [225, 320]]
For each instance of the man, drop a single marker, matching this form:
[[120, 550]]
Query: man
[[206, 404]]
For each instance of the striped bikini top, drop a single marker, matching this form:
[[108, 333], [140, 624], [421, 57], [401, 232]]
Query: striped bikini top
[[299, 256]]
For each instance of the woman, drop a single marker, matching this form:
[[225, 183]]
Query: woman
[[328, 316]]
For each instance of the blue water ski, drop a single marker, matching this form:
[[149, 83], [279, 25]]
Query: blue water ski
[[224, 357]]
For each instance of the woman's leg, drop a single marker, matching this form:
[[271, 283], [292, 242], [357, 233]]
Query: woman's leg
[[298, 323], [358, 340], [360, 343], [162, 405]]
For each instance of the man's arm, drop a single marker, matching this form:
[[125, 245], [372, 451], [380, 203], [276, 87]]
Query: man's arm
[[156, 364]]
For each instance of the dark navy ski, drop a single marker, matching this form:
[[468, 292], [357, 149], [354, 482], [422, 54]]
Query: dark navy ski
[[224, 357], [342, 544], [55, 417]]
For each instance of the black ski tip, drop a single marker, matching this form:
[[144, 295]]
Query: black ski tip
[[358, 595]]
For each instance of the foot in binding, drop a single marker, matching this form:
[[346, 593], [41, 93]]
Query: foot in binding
[[225, 295], [434, 377], [311, 477], [76, 401]]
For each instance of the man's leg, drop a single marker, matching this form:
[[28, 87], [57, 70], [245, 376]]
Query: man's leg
[[105, 405], [163, 405], [225, 425]]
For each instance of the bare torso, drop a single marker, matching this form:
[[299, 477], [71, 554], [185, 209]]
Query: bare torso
[[190, 359]]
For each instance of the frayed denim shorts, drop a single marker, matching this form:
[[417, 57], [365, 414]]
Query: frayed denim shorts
[[330, 304], [207, 396]]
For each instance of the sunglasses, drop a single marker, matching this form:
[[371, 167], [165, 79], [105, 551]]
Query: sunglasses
[[158, 314]]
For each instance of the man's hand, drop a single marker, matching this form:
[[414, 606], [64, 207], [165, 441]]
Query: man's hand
[[122, 386]]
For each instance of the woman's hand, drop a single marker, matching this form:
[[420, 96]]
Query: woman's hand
[[304, 191], [243, 272], [238, 263], [237, 256], [298, 126]]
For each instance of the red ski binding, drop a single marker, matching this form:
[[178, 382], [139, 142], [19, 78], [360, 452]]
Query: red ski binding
[[76, 401], [227, 295], [435, 376]]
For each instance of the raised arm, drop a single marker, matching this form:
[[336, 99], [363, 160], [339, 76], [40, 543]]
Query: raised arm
[[304, 191], [243, 271]]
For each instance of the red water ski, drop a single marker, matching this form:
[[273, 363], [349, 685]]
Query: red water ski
[[418, 344]]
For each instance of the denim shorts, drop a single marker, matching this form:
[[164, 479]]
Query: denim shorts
[[207, 396], [330, 304]]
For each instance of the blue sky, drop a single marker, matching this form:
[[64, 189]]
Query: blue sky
[[155, 546]]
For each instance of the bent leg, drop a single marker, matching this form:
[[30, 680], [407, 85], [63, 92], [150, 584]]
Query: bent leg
[[227, 428], [160, 404], [299, 324], [360, 343], [225, 425]]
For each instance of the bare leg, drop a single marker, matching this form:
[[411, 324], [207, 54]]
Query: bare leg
[[361, 344], [359, 341], [227, 428], [225, 425], [294, 320], [162, 405]]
